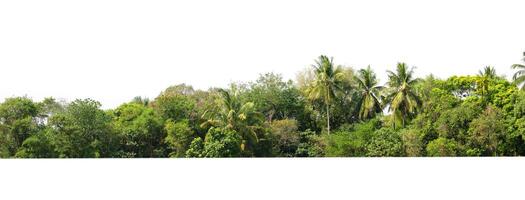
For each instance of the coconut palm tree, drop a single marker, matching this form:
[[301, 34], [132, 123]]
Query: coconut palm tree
[[328, 81], [369, 102], [485, 76], [233, 114], [402, 97], [519, 76]]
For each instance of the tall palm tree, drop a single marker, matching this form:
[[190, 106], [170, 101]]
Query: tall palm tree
[[369, 102], [328, 81], [519, 76], [402, 98], [231, 113], [485, 76]]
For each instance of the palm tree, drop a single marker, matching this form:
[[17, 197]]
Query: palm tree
[[369, 103], [519, 76], [485, 75], [233, 114], [403, 100], [488, 72], [328, 81]]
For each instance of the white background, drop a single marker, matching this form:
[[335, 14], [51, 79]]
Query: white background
[[114, 50], [264, 179]]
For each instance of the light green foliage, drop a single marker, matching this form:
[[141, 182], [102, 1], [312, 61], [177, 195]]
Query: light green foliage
[[352, 141], [385, 142], [139, 129], [179, 137], [219, 143], [442, 147]]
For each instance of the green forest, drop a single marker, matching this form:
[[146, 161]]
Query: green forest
[[329, 110]]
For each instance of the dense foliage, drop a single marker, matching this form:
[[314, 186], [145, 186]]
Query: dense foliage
[[329, 111]]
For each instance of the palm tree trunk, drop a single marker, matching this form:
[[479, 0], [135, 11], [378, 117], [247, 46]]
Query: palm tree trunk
[[328, 117]]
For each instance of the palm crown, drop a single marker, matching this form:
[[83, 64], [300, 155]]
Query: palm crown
[[328, 81], [403, 100], [519, 76], [235, 115], [370, 100]]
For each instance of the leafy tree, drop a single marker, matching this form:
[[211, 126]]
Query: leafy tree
[[402, 98], [175, 103], [442, 147], [328, 81], [454, 123], [385, 142], [141, 100], [17, 123], [139, 129], [412, 142], [519, 76], [352, 141], [219, 143], [275, 98], [83, 130], [37, 146], [370, 100], [286, 136], [179, 137], [310, 145], [486, 132]]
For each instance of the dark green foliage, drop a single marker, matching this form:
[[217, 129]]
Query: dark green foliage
[[218, 143], [37, 146]]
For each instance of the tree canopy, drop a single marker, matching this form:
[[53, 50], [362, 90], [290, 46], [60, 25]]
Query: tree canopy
[[329, 110]]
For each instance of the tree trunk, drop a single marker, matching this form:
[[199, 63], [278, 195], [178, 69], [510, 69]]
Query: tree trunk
[[328, 117]]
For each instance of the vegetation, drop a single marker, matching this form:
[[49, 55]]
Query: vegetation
[[329, 111]]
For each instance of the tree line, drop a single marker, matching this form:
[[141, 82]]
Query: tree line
[[328, 111]]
